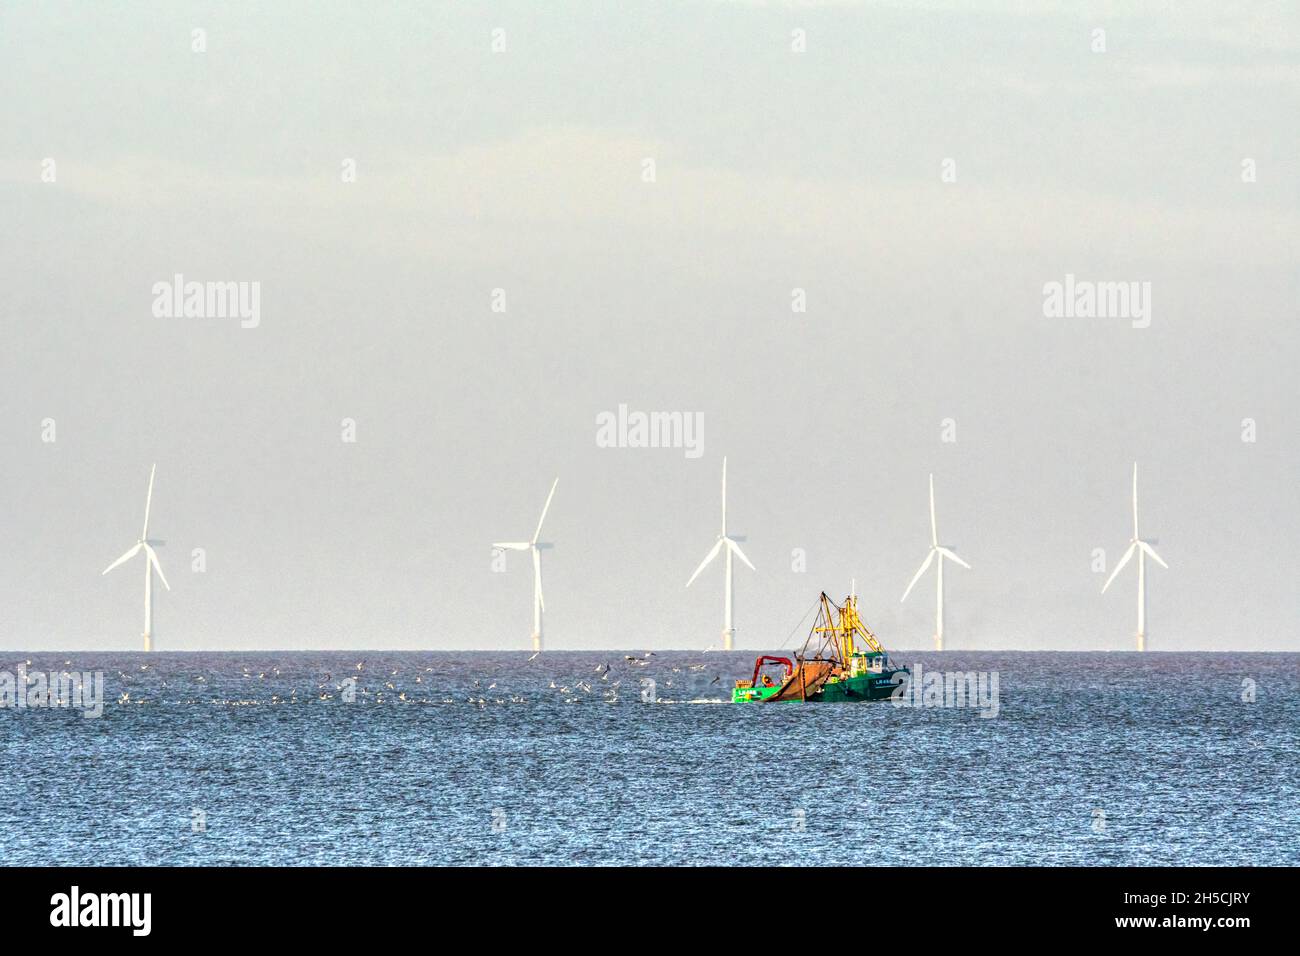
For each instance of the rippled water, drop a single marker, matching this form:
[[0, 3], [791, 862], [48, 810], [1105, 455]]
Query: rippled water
[[490, 758]]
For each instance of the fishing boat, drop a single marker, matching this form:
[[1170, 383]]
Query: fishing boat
[[830, 667]]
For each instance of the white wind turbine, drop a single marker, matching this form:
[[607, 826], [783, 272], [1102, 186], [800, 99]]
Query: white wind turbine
[[1143, 549], [728, 632], [536, 547], [936, 549], [150, 565]]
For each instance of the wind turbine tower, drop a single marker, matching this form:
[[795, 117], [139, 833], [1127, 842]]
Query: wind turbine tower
[[941, 552], [731, 547], [1143, 548], [151, 565], [536, 546]]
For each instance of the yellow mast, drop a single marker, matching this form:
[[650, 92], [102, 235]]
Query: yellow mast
[[854, 623], [847, 626]]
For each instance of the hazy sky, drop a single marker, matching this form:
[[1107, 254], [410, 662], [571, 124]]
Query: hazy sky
[[523, 169]]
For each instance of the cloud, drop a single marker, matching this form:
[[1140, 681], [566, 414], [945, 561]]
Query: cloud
[[544, 183]]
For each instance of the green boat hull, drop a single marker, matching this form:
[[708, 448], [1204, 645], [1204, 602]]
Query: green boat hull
[[863, 687]]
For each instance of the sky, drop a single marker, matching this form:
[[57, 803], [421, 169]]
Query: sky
[[645, 187]]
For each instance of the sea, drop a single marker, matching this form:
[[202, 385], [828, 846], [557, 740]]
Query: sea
[[633, 758]]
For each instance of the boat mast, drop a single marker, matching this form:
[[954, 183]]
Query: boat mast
[[838, 627]]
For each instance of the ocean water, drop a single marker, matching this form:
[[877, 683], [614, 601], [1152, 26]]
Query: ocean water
[[461, 758]]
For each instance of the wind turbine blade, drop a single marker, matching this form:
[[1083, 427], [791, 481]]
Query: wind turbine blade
[[512, 545], [1135, 500], [724, 496], [1154, 557], [545, 508], [153, 559], [1119, 567], [713, 553], [934, 526], [537, 577], [950, 555], [740, 554], [148, 499], [123, 559], [924, 567]]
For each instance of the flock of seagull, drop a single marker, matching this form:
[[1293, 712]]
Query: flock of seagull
[[604, 685]]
